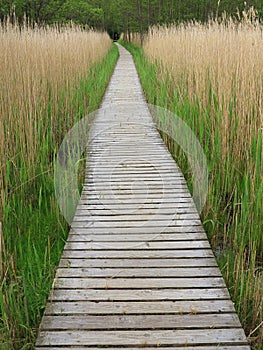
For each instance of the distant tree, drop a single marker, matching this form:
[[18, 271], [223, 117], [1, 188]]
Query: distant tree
[[123, 15], [81, 12]]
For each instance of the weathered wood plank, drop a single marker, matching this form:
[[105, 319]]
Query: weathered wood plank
[[137, 245], [128, 180], [139, 322], [138, 283], [134, 177], [158, 209], [141, 308], [196, 347], [101, 165], [89, 237], [156, 154], [141, 186], [133, 263], [122, 151], [132, 200], [185, 204], [136, 170], [138, 230], [151, 216], [144, 209], [150, 338], [180, 193], [132, 162], [131, 181], [141, 295], [122, 164], [138, 223], [108, 254], [139, 272]]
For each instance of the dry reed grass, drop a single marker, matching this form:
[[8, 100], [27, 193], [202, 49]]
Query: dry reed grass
[[226, 58], [38, 69]]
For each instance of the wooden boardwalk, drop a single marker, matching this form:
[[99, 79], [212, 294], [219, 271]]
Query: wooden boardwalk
[[137, 269]]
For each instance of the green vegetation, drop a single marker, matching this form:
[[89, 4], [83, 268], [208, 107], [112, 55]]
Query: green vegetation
[[33, 231], [233, 213], [123, 16]]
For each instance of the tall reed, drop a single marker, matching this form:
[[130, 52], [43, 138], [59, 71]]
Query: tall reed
[[38, 71], [211, 75]]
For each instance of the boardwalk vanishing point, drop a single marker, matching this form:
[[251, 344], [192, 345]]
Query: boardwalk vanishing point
[[137, 269]]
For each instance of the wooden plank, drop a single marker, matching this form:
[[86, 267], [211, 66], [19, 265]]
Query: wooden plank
[[171, 170], [150, 338], [137, 169], [126, 182], [139, 295], [108, 254], [196, 347], [136, 187], [137, 245], [156, 154], [138, 283], [138, 230], [158, 171], [164, 172], [121, 151], [133, 162], [131, 158], [167, 193], [130, 161], [123, 177], [128, 217], [132, 208], [109, 141], [134, 177], [138, 200], [185, 204], [121, 197], [141, 237], [163, 208], [138, 223], [117, 263], [133, 203], [140, 322], [146, 190], [116, 155], [139, 272], [139, 210], [141, 185], [178, 307]]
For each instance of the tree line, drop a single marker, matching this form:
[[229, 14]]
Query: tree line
[[122, 15]]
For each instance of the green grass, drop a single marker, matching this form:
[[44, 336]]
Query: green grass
[[34, 232], [233, 215]]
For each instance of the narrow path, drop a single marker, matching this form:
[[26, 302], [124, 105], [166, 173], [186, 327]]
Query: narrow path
[[137, 269]]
